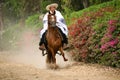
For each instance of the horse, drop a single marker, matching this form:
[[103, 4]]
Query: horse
[[54, 41]]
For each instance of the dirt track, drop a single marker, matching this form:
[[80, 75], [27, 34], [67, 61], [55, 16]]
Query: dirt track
[[27, 63]]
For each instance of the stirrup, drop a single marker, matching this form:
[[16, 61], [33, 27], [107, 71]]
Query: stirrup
[[42, 47], [65, 47], [43, 53]]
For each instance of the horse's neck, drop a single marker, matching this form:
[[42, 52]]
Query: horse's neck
[[50, 28], [53, 31]]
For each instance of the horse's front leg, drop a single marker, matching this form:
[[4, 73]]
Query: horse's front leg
[[53, 56], [61, 50]]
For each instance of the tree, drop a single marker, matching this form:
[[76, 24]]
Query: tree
[[74, 5], [1, 19], [93, 2], [85, 3], [19, 10]]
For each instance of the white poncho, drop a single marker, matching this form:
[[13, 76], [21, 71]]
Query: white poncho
[[60, 23]]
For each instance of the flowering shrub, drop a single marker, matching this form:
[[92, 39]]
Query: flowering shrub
[[79, 37], [108, 40], [95, 37], [107, 51]]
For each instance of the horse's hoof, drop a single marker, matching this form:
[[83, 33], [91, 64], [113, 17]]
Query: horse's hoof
[[52, 66]]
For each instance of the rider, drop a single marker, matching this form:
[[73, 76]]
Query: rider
[[60, 23]]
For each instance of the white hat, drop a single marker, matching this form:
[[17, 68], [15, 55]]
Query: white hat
[[53, 4]]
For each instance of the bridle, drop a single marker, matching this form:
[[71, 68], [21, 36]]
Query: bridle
[[51, 19]]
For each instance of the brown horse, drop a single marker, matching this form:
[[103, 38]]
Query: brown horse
[[54, 40]]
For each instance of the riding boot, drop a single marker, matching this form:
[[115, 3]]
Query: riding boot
[[66, 40], [65, 46], [41, 43]]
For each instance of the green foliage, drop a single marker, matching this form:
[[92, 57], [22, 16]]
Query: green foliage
[[10, 37], [12, 8], [34, 21], [98, 1], [92, 9], [44, 4]]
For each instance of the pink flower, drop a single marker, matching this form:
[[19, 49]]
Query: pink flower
[[114, 52], [111, 22], [113, 42], [111, 29], [109, 36], [104, 47]]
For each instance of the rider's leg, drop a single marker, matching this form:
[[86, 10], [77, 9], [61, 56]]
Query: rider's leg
[[42, 41], [65, 39]]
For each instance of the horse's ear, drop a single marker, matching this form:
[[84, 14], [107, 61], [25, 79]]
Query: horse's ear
[[49, 12], [53, 13]]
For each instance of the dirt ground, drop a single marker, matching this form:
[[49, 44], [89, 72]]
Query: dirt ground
[[27, 63]]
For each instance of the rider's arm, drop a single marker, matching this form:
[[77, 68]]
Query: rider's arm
[[45, 21], [60, 18]]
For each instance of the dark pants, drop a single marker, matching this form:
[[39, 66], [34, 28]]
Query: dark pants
[[65, 39], [43, 40]]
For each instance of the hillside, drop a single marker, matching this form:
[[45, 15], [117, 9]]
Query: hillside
[[95, 33]]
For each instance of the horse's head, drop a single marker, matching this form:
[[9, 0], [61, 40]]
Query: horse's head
[[52, 20]]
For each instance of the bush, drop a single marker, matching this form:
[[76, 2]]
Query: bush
[[80, 34], [95, 36], [105, 48]]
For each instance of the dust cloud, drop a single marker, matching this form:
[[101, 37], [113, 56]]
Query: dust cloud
[[28, 52]]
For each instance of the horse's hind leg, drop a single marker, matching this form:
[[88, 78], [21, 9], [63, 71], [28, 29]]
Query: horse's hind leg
[[61, 50]]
